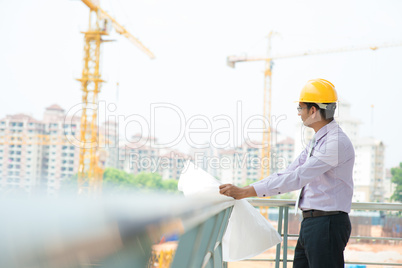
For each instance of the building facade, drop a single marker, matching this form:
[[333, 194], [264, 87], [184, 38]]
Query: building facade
[[369, 171], [20, 163], [243, 165], [36, 156], [389, 186]]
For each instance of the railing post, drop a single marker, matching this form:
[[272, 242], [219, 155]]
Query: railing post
[[285, 237], [278, 247]]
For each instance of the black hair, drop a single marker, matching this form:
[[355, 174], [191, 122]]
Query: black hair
[[327, 113]]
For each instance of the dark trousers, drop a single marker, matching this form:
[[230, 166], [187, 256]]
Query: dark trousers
[[322, 241]]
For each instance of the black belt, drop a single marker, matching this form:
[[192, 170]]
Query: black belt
[[319, 213]]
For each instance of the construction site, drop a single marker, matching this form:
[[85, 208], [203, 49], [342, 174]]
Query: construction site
[[134, 91]]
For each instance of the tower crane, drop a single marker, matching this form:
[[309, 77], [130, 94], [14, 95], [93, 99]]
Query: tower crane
[[268, 59], [90, 169]]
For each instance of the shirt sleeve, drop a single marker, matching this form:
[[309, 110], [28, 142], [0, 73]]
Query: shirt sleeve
[[290, 180], [300, 160]]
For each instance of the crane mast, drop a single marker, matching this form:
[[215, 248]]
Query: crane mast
[[90, 170], [266, 140], [91, 161]]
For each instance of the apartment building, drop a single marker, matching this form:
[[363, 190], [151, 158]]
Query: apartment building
[[171, 164], [20, 163], [109, 133], [138, 155], [369, 171], [206, 158], [37, 155], [389, 186], [242, 165], [60, 158]]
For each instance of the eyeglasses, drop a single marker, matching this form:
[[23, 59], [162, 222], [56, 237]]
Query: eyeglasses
[[299, 109]]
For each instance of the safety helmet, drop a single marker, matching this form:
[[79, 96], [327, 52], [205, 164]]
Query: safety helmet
[[318, 91]]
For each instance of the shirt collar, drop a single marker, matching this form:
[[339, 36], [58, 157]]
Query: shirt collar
[[325, 129]]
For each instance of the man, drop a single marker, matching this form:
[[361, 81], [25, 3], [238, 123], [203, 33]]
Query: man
[[323, 172]]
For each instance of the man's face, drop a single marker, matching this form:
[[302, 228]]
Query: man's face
[[308, 116]]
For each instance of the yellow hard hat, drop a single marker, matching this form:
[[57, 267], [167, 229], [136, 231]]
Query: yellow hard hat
[[318, 91]]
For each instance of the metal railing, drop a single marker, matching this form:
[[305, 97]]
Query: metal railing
[[111, 232], [121, 232], [283, 223], [201, 246]]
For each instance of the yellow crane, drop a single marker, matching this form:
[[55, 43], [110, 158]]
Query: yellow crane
[[90, 169], [268, 59]]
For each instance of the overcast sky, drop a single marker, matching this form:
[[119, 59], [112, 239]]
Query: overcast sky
[[41, 52]]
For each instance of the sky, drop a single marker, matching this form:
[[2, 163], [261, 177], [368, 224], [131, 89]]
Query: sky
[[41, 55]]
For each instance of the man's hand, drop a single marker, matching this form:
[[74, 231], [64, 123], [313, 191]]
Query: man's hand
[[237, 192]]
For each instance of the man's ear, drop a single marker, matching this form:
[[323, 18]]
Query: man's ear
[[315, 112]]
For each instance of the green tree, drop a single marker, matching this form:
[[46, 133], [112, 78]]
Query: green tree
[[113, 176], [170, 185], [117, 181], [148, 180], [397, 179]]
